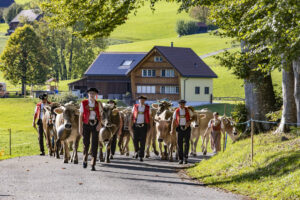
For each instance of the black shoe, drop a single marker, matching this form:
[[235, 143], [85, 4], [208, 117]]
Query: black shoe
[[111, 157], [141, 159], [93, 168], [84, 165], [185, 161], [136, 155], [180, 162], [42, 154]]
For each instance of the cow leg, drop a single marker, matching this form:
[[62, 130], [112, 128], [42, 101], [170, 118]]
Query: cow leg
[[154, 143], [192, 146], [54, 138], [71, 146], [66, 153], [171, 152], [160, 150], [58, 146], [61, 149], [148, 143], [126, 146], [101, 152], [120, 144], [48, 141], [108, 148], [195, 146], [166, 151]]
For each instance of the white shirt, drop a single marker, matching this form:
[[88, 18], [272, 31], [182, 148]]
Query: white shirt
[[215, 122], [140, 119], [182, 119], [41, 111], [92, 113]]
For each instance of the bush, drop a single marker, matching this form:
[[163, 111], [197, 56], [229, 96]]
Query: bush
[[239, 114], [186, 27], [212, 27], [63, 98]]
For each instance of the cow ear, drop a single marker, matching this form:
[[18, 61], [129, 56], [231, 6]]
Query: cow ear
[[59, 110], [154, 105]]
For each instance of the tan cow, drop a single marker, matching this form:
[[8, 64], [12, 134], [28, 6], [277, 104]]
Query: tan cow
[[49, 126], [163, 127], [111, 123], [198, 128], [66, 124], [124, 138], [227, 126]]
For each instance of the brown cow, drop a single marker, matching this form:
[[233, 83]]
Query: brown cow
[[111, 123], [49, 126], [67, 130], [124, 138], [198, 128]]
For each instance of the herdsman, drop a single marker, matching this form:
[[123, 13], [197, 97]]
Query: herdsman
[[89, 126], [38, 117], [114, 140], [215, 139], [181, 121], [141, 123]]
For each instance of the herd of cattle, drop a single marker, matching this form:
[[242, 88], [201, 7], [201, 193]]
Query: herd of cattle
[[60, 123]]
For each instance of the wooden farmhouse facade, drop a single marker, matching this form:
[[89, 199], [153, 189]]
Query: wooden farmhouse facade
[[163, 73]]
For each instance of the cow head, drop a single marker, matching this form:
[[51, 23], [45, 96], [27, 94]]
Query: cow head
[[69, 113], [229, 127], [126, 118], [109, 113], [196, 119], [163, 128], [50, 114], [162, 106]]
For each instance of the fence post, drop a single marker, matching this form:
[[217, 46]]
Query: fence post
[[9, 130], [252, 137]]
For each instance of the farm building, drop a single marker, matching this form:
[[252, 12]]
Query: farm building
[[108, 73], [163, 73], [202, 27], [24, 15]]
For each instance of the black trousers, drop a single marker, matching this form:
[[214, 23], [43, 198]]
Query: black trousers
[[89, 130], [114, 144], [139, 139], [41, 135], [183, 136]]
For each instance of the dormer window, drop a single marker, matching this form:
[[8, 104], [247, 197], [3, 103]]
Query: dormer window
[[158, 59], [127, 62]]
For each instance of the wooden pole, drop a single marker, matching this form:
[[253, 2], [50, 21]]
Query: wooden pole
[[252, 137], [225, 109], [9, 130]]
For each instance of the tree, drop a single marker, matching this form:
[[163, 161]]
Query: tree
[[200, 13], [12, 11], [24, 58]]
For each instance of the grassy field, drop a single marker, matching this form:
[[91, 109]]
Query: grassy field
[[274, 174]]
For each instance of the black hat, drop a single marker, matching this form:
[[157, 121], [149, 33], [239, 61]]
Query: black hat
[[111, 101], [215, 113], [142, 97], [43, 96], [182, 101], [92, 90]]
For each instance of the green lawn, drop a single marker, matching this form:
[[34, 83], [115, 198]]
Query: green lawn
[[147, 25], [274, 174]]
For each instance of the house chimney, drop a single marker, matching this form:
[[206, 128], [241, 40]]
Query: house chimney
[[171, 44]]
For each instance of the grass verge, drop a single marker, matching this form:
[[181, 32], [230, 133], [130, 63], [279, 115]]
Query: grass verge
[[274, 174]]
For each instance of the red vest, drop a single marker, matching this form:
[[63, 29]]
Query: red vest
[[38, 110], [216, 128], [187, 115], [146, 113], [86, 111]]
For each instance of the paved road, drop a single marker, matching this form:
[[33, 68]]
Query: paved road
[[214, 53], [36, 177]]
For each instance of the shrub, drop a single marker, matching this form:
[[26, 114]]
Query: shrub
[[63, 98], [186, 27], [239, 114]]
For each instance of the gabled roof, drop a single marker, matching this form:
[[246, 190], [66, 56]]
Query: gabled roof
[[112, 63], [29, 15], [6, 3], [185, 61]]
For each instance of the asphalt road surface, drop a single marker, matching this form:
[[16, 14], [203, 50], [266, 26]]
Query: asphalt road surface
[[38, 177]]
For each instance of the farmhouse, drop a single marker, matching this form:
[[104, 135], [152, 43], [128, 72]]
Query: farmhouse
[[163, 73], [24, 15], [108, 73]]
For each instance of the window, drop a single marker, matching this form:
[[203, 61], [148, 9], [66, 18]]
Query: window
[[167, 73], [127, 62], [169, 90], [146, 89], [158, 59], [148, 73], [206, 90], [197, 90]]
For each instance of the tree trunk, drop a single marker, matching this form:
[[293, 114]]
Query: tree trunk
[[289, 105], [71, 57], [259, 95], [296, 68], [259, 98]]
